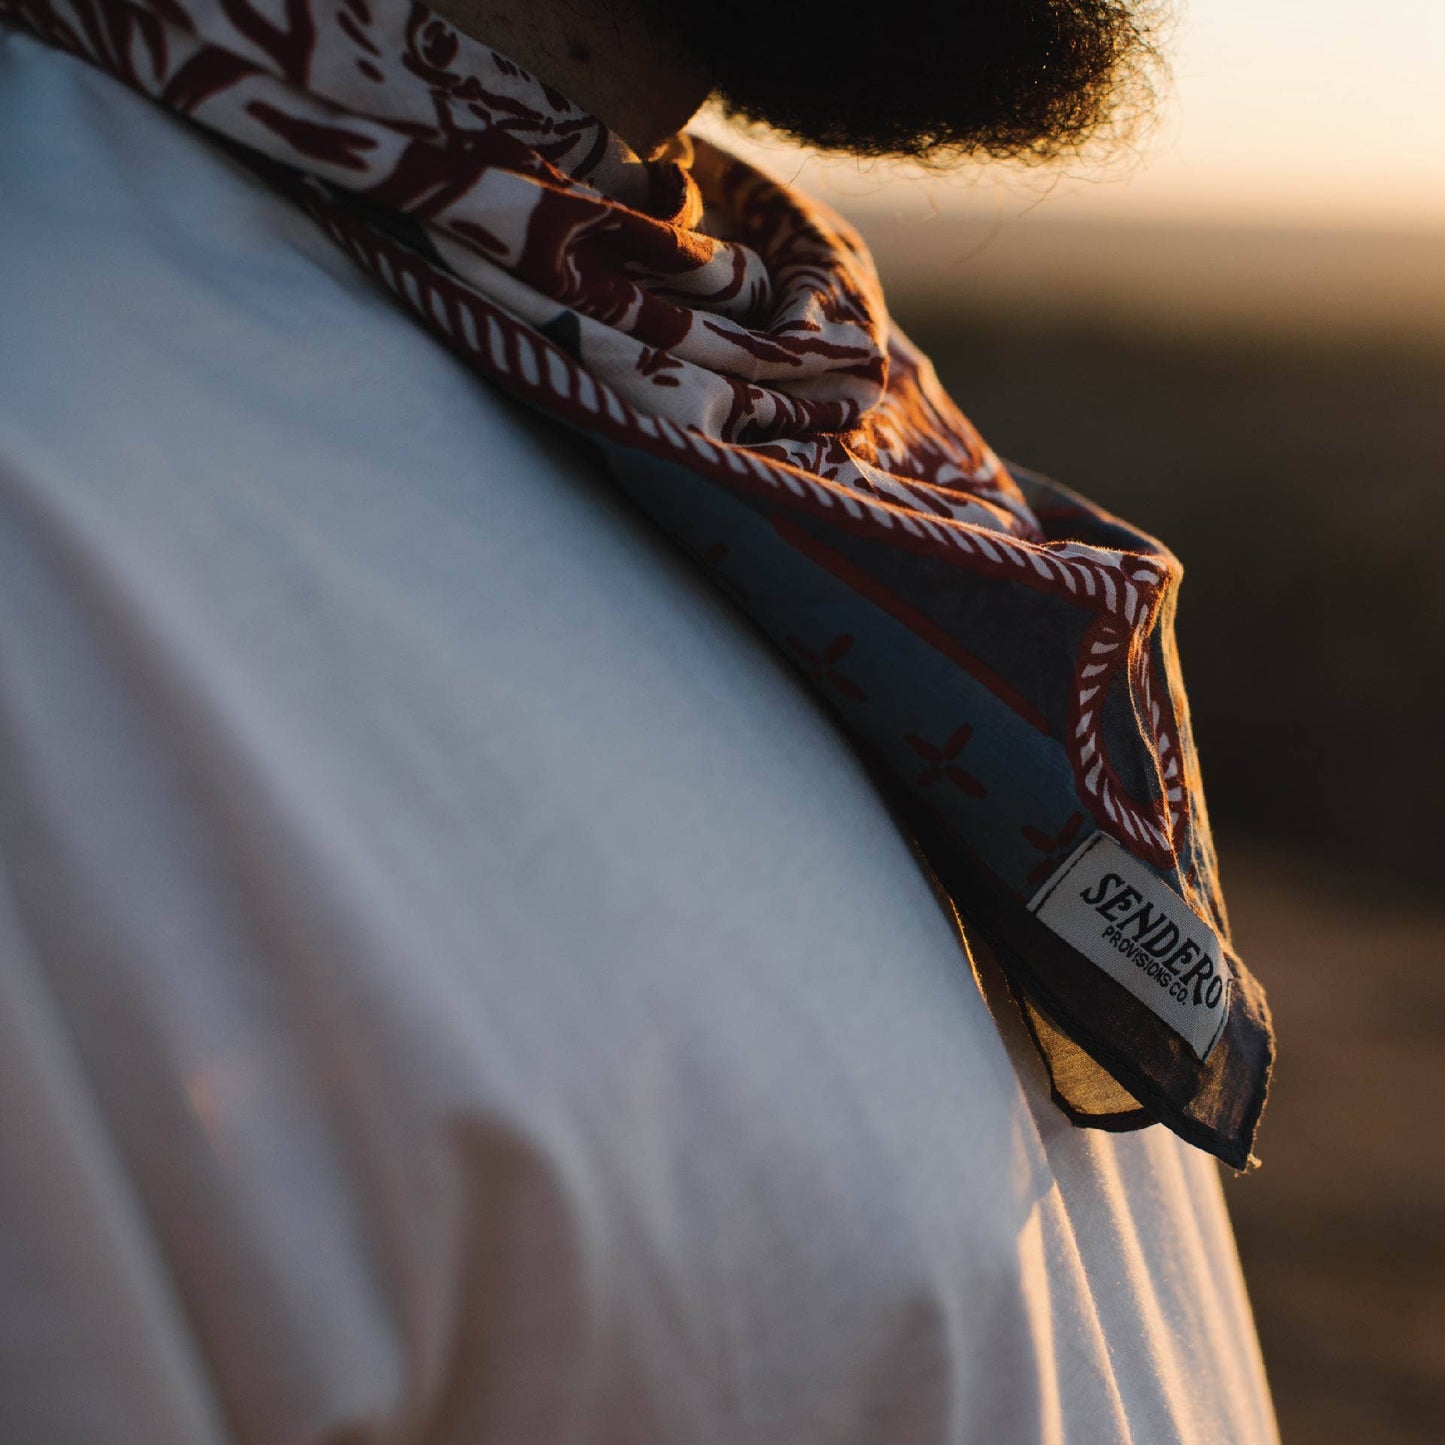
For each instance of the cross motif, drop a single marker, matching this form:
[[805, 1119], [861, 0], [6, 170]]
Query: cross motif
[[1051, 846], [941, 762], [823, 665]]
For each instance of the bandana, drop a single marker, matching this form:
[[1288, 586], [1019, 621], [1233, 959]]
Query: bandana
[[999, 650]]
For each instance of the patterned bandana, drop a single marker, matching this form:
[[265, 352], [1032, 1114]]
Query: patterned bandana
[[999, 650]]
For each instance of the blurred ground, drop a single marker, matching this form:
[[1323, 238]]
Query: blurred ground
[[1340, 1229], [1300, 474]]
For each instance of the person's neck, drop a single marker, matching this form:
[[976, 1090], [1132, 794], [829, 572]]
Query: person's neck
[[603, 55]]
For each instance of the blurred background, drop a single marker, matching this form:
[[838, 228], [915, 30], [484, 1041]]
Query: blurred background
[[1234, 335]]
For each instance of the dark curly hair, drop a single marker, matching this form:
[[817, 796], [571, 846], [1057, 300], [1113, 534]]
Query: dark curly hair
[[926, 80]]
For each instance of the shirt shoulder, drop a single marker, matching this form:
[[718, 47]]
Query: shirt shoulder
[[158, 296]]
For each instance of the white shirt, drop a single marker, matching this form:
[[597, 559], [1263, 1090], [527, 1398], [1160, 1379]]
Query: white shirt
[[456, 984]]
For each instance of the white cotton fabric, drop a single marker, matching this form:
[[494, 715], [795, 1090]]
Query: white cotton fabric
[[456, 985]]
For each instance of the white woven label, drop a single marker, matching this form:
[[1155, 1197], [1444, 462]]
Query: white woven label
[[1108, 906]]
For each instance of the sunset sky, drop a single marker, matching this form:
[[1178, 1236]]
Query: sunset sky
[[1317, 112]]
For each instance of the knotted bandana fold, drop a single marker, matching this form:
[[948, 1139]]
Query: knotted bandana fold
[[999, 650]]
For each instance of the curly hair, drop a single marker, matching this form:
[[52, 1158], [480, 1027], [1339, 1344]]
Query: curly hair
[[929, 81]]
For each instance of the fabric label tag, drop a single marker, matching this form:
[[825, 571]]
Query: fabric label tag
[[1122, 917]]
